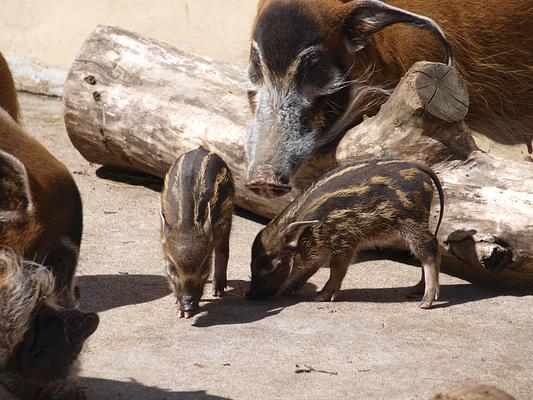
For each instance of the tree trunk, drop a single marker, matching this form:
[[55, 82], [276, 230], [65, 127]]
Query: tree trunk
[[135, 103]]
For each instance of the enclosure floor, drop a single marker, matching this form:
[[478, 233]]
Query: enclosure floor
[[373, 343]]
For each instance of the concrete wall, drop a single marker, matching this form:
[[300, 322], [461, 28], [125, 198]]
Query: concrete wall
[[51, 31]]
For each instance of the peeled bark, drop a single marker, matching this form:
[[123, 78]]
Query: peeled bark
[[135, 103]]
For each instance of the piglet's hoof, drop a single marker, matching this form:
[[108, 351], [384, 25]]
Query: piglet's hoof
[[427, 301], [324, 295], [185, 314], [218, 289], [425, 305]]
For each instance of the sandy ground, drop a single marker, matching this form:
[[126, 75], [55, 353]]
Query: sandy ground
[[373, 343]]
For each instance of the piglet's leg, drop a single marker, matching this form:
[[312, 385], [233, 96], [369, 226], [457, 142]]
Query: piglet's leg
[[430, 259], [418, 290], [221, 264], [304, 269], [300, 277], [338, 267]]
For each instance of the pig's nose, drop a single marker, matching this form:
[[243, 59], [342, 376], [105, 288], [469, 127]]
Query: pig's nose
[[264, 181], [188, 303], [188, 306]]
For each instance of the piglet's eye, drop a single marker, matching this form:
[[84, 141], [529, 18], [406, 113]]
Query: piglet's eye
[[171, 270], [254, 70], [205, 268]]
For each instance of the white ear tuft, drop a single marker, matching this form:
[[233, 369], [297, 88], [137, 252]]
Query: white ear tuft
[[208, 226], [291, 234], [16, 203]]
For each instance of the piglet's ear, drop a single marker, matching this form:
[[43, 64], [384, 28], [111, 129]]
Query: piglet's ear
[[290, 235], [164, 224], [15, 195], [364, 18], [208, 226], [261, 5]]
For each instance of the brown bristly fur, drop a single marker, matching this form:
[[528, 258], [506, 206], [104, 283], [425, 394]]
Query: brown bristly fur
[[22, 290], [492, 42], [8, 93], [351, 207], [51, 225]]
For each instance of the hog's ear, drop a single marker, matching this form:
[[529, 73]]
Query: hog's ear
[[290, 235], [15, 195], [208, 226], [164, 223], [364, 18], [261, 5]]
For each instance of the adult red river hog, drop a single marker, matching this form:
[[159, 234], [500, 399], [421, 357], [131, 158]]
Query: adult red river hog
[[40, 206], [318, 66]]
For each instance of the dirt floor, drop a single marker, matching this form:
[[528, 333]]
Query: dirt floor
[[373, 343]]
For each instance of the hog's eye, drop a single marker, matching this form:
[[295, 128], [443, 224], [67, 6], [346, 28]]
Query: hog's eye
[[313, 72], [171, 269], [311, 61], [265, 263], [254, 70], [205, 268]]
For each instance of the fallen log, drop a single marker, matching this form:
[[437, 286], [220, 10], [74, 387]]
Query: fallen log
[[135, 103]]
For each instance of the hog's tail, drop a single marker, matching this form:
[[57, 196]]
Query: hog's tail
[[438, 185]]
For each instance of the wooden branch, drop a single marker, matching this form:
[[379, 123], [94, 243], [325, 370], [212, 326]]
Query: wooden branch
[[135, 103]]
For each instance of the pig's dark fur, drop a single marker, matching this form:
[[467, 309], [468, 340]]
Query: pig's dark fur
[[349, 208], [196, 213]]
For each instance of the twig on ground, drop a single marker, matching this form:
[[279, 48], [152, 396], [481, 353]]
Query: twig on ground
[[306, 369]]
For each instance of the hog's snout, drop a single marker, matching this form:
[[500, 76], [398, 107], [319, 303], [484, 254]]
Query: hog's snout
[[188, 306], [264, 181]]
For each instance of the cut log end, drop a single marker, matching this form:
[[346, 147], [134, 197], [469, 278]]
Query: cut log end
[[442, 91]]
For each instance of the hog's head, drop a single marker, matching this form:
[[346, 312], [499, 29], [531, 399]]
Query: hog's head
[[308, 87], [188, 262], [273, 254]]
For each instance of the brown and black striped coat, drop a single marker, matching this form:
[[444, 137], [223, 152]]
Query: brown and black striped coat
[[196, 211], [351, 207]]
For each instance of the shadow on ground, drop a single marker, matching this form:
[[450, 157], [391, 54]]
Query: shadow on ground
[[130, 177], [234, 308], [450, 295], [103, 292], [108, 389], [137, 178]]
